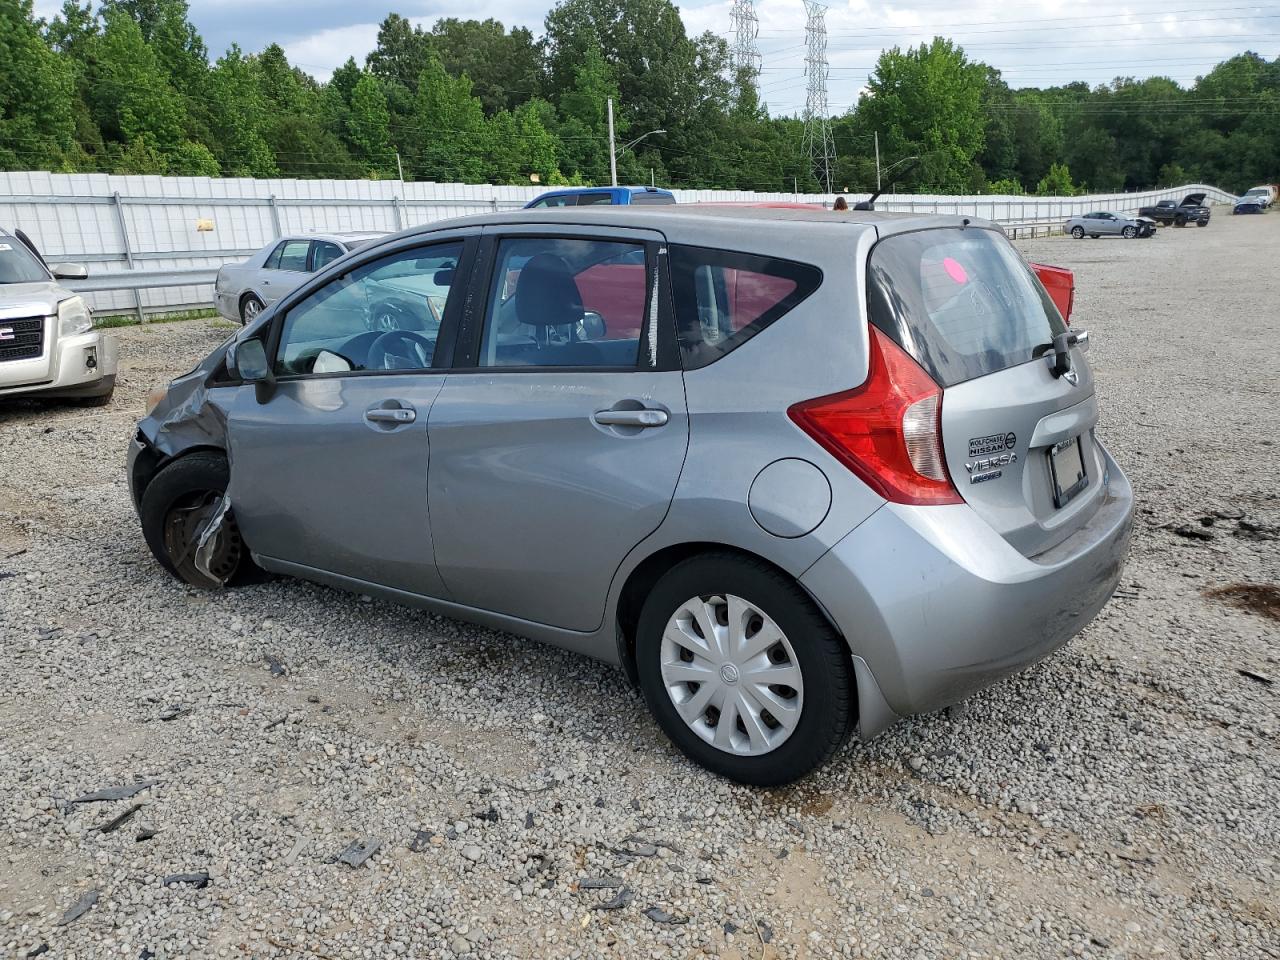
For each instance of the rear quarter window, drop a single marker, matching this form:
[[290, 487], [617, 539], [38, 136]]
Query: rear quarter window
[[724, 298], [962, 302]]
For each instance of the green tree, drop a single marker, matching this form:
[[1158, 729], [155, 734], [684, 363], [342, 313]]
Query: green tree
[[450, 138], [584, 132], [299, 128], [368, 128], [401, 52], [240, 117], [131, 97], [1057, 182], [505, 68], [37, 124], [927, 102]]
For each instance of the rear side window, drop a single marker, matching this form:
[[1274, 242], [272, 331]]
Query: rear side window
[[962, 302], [724, 298], [641, 199], [591, 199]]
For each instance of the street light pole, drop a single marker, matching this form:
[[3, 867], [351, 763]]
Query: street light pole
[[613, 149]]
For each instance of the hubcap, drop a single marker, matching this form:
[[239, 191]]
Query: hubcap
[[731, 674]]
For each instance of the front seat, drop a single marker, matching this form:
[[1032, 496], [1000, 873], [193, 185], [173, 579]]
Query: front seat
[[546, 296]]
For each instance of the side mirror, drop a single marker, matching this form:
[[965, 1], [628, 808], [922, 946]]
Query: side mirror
[[249, 360], [591, 327], [69, 271]]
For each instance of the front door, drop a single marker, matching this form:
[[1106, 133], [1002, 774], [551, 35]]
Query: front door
[[558, 438], [330, 472]]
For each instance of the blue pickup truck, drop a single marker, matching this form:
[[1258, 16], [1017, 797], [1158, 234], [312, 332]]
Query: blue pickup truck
[[607, 196]]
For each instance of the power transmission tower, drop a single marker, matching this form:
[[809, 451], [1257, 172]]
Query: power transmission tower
[[818, 143], [746, 27]]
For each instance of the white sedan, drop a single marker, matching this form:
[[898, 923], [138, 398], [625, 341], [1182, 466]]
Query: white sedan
[[244, 290]]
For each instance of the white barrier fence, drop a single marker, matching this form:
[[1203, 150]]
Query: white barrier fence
[[179, 224]]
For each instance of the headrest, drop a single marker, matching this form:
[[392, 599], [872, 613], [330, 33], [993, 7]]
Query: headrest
[[546, 295]]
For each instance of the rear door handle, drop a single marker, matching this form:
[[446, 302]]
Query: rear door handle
[[392, 415], [631, 418]]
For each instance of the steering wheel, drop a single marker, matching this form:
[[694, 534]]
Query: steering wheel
[[400, 350]]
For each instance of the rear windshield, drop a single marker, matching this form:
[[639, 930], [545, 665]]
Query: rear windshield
[[962, 302], [17, 265]]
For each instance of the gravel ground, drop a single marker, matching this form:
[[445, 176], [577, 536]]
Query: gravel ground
[[1120, 800]]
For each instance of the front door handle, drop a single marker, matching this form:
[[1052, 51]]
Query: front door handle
[[392, 415], [631, 418]]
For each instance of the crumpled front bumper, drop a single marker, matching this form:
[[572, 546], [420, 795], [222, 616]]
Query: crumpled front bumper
[[936, 605]]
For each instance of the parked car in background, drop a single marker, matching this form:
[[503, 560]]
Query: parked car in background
[[48, 345], [1191, 209], [242, 290], [1266, 194], [1247, 204], [799, 473], [1106, 224], [603, 196]]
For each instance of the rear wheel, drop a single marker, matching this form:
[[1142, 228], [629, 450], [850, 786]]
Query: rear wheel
[[176, 507], [1180, 222], [1078, 232], [250, 307], [742, 672], [1129, 232], [1093, 236]]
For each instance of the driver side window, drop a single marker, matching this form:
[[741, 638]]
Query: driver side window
[[382, 315]]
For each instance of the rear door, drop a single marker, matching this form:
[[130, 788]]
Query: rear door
[[558, 437], [1018, 440]]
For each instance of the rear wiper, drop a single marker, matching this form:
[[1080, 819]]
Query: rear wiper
[[1061, 347]]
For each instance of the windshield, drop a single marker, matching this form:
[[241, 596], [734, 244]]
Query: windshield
[[17, 265], [962, 302]]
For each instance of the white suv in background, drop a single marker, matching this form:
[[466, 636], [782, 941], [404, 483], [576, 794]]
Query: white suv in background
[[48, 345]]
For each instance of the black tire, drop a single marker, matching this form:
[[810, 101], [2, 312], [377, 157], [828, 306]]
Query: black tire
[[174, 502], [1078, 232], [98, 401], [250, 306], [827, 716], [1180, 222], [1129, 232], [1202, 223]]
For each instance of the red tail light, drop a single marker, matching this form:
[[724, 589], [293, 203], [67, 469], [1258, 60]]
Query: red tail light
[[888, 431]]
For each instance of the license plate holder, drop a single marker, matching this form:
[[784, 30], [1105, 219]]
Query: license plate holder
[[1067, 471]]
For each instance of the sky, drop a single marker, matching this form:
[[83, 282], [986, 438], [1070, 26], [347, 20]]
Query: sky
[[1034, 43]]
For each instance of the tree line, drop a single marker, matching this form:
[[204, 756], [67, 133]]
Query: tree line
[[129, 87]]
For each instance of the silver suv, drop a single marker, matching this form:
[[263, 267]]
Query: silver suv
[[48, 345], [796, 472]]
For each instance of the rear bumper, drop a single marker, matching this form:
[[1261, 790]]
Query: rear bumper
[[227, 305], [938, 605], [83, 366]]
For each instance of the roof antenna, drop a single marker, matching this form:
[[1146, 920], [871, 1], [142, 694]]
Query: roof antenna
[[870, 202]]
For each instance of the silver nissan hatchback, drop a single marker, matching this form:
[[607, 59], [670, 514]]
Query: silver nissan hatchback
[[798, 473]]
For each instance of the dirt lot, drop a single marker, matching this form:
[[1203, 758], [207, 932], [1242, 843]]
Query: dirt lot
[[1120, 800]]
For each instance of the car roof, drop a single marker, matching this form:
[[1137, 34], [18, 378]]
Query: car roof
[[345, 237], [688, 219]]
